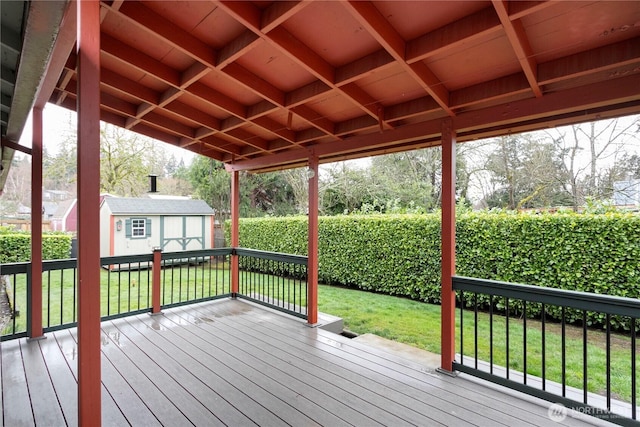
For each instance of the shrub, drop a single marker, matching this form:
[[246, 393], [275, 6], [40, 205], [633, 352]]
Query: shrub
[[400, 254], [16, 247]]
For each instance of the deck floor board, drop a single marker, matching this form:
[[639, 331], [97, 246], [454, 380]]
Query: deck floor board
[[44, 400], [234, 363]]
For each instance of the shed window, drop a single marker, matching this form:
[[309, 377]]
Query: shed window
[[137, 228]]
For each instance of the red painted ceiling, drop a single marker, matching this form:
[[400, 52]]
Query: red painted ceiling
[[261, 85]]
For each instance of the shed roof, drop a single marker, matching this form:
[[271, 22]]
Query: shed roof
[[145, 206]]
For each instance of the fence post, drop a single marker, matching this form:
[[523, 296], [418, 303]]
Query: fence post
[[155, 280]]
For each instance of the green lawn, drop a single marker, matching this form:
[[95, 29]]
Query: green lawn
[[120, 291], [418, 324]]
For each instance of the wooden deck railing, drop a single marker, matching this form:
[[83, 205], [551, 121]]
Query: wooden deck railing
[[136, 284], [274, 279], [521, 338]]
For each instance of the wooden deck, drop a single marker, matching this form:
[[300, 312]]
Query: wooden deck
[[232, 363]]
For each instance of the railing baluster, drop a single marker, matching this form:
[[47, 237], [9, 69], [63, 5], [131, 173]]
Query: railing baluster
[[524, 339], [564, 352], [634, 373], [128, 289], [75, 287], [608, 361], [475, 328], [584, 356], [61, 296], [462, 328], [544, 349], [506, 303], [48, 298], [491, 334]]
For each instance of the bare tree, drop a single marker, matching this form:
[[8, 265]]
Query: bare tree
[[591, 152]]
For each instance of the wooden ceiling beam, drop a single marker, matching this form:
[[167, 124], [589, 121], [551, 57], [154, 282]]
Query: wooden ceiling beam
[[248, 14], [309, 135], [302, 54], [218, 99], [246, 137], [254, 83], [128, 87], [362, 67], [489, 91], [306, 93], [517, 37], [380, 29], [415, 107], [578, 99], [222, 145], [465, 30], [609, 57], [357, 124], [236, 48], [278, 13], [521, 8], [373, 107], [172, 126], [194, 114], [126, 54], [260, 109], [158, 25], [318, 121], [275, 128]]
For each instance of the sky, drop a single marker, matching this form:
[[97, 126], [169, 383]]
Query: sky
[[58, 122]]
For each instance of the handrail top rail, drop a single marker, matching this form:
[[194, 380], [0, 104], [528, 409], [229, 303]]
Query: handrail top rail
[[560, 297], [197, 253], [14, 267], [273, 256]]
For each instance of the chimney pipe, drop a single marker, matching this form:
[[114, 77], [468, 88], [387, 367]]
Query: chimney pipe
[[153, 183]]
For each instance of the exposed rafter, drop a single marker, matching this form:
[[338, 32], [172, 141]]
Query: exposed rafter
[[277, 79]]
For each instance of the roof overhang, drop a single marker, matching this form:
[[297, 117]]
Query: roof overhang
[[29, 33], [264, 85]]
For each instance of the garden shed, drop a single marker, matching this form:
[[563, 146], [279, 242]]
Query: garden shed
[[130, 226]]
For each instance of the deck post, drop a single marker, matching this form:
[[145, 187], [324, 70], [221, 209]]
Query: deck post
[[312, 268], [235, 231], [34, 320], [155, 280], [88, 107], [448, 236]]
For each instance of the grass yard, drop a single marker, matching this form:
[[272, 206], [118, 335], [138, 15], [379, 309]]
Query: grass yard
[[418, 324], [120, 291]]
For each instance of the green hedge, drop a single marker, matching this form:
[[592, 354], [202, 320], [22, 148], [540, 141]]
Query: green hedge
[[16, 247], [400, 254]]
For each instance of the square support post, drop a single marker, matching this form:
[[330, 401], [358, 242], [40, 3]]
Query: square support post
[[448, 239], [235, 232], [88, 107], [312, 259], [155, 280], [34, 329]]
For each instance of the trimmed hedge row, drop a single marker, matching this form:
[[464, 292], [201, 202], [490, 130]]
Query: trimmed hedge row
[[400, 254], [17, 247]]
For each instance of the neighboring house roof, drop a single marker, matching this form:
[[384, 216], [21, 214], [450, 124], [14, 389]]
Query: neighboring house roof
[[146, 206], [50, 208], [63, 208]]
